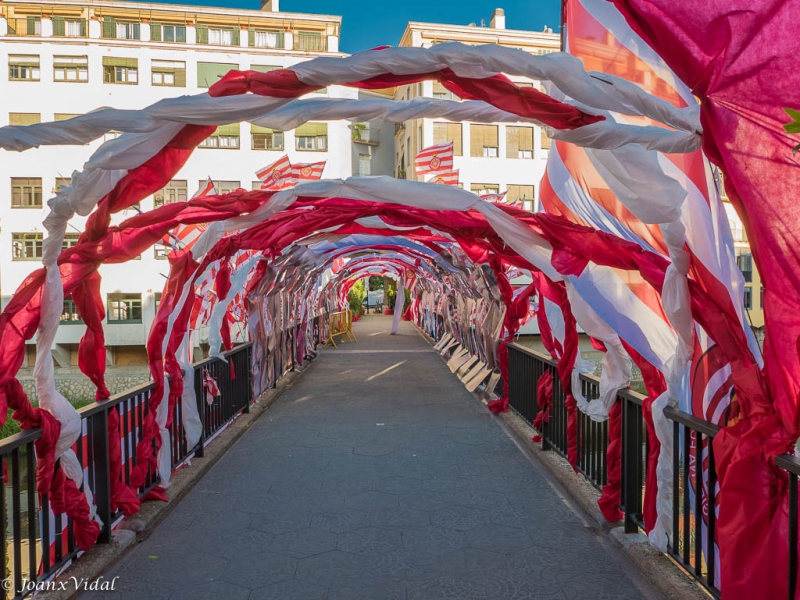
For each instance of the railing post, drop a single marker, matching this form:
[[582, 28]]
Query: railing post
[[201, 410], [102, 472], [630, 464], [246, 389]]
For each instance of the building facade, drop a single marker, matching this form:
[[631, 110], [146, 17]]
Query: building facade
[[66, 58], [490, 157]]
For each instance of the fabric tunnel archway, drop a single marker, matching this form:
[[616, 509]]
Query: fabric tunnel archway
[[272, 255]]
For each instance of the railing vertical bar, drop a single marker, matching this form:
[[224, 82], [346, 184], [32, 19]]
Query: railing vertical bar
[[17, 519], [676, 473], [32, 514], [686, 506], [698, 505], [712, 515]]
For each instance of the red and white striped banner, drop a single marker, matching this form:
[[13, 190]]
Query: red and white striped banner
[[273, 175], [497, 198], [434, 159], [308, 171], [449, 178]]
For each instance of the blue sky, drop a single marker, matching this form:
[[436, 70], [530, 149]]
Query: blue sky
[[381, 22]]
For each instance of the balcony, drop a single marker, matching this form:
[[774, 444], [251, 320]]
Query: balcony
[[25, 26], [363, 134]]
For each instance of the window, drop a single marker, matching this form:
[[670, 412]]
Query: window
[[176, 191], [217, 36], [519, 142], [23, 67], [26, 192], [264, 68], [120, 30], [71, 68], [516, 193], [124, 308], [442, 93], [748, 297], [120, 70], [485, 188], [483, 140], [157, 300], [70, 240], [69, 315], [363, 164], [64, 117], [310, 41], [448, 132], [761, 304], [226, 136], [60, 181], [63, 27], [161, 32], [170, 73], [263, 138], [160, 252], [546, 141], [24, 118], [26, 246], [25, 26], [265, 38], [745, 264], [210, 73], [222, 187], [312, 136]]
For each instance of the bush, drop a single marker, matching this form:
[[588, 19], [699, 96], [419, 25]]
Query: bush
[[356, 297]]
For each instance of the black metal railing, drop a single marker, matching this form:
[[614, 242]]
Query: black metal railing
[[694, 490], [40, 542], [525, 369], [791, 464]]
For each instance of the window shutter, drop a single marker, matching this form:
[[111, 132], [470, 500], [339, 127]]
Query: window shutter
[[109, 27], [512, 142], [251, 37], [31, 22], [155, 32], [546, 142], [24, 118], [263, 68], [482, 136], [83, 27], [180, 77], [232, 129], [59, 26], [525, 138], [113, 61], [312, 129], [258, 129], [235, 37], [202, 34], [448, 132], [439, 89]]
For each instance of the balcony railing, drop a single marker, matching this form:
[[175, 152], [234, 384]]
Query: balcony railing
[[365, 135], [25, 26]]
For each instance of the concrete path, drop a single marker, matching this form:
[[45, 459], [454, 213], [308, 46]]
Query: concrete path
[[377, 476]]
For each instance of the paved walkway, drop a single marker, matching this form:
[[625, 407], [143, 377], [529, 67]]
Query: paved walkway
[[377, 476]]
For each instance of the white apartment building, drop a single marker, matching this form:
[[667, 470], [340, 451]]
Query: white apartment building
[[67, 57], [490, 157]]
